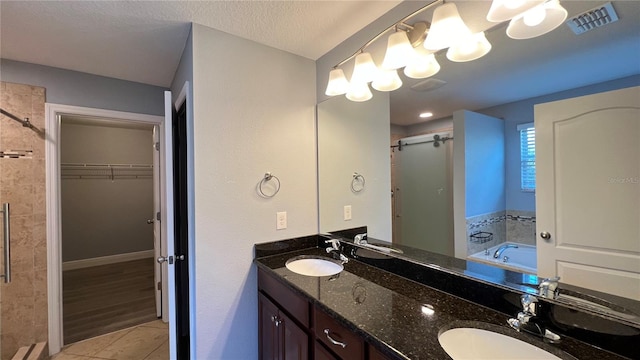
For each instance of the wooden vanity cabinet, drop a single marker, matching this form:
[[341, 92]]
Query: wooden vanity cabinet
[[280, 337], [283, 334], [287, 332]]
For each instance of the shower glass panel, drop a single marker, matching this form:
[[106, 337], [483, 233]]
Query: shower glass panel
[[423, 200]]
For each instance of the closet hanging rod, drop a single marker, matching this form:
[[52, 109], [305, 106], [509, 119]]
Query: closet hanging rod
[[90, 166]]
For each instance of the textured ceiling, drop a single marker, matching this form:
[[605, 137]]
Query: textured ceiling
[[142, 41]]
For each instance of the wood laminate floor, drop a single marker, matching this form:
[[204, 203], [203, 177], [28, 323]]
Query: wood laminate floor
[[102, 299]]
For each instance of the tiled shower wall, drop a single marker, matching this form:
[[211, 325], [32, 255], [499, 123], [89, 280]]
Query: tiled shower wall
[[23, 302]]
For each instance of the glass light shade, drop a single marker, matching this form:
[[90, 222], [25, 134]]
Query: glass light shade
[[365, 69], [447, 28], [359, 92], [503, 10], [422, 65], [399, 50], [554, 16], [337, 84], [387, 80], [474, 48]]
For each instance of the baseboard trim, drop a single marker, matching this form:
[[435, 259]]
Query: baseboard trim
[[104, 260]]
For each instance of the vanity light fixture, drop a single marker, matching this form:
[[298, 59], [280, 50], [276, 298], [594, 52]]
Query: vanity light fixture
[[387, 80], [365, 69], [359, 91], [399, 50], [422, 64], [447, 28], [537, 21], [529, 19], [504, 10], [475, 47], [338, 83]]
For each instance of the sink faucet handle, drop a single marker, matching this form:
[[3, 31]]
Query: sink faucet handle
[[528, 304], [335, 244], [360, 238], [548, 288]]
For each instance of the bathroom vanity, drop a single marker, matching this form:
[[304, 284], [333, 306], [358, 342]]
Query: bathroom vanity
[[365, 312]]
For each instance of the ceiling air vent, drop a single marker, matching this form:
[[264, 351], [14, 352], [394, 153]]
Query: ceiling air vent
[[594, 18], [428, 85]]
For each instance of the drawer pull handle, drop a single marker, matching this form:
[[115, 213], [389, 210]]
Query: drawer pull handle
[[334, 342]]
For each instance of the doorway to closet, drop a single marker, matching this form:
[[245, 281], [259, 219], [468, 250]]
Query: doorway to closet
[[107, 207]]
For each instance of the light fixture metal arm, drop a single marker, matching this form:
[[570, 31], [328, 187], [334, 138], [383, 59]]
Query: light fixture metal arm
[[397, 23]]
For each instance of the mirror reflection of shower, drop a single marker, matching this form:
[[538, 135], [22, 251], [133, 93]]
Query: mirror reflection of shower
[[422, 196]]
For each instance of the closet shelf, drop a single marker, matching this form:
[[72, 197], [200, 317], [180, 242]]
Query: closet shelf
[[106, 171]]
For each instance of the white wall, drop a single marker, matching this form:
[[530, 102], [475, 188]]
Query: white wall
[[102, 217], [353, 137], [253, 113]]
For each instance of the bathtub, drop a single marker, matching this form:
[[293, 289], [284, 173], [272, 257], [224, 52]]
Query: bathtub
[[521, 259]]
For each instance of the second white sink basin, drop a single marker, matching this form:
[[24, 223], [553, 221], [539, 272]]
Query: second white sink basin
[[314, 266], [472, 343]]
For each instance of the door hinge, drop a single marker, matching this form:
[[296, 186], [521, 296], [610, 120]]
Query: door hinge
[[158, 216], [159, 285], [157, 146]]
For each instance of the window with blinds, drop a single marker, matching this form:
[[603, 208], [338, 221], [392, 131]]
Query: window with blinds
[[527, 157]]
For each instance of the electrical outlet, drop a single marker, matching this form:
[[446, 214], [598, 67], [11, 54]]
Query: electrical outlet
[[347, 212], [281, 220]]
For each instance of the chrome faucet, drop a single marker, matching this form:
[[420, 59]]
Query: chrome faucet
[[503, 248], [335, 249], [548, 288], [360, 239], [526, 320]]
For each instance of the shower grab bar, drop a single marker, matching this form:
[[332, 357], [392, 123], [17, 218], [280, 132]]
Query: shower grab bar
[[7, 243]]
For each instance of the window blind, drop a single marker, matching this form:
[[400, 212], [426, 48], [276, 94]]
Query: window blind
[[527, 157]]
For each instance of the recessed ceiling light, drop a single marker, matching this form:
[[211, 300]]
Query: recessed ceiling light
[[426, 115]]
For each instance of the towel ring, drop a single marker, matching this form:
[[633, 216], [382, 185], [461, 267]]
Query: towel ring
[[266, 180], [357, 183]]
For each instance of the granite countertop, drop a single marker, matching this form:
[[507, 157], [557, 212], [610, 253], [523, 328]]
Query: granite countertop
[[400, 317]]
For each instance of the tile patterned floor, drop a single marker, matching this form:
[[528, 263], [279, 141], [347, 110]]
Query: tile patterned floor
[[148, 341]]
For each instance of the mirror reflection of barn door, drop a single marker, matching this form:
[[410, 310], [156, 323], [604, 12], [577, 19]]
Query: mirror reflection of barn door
[[588, 191], [423, 207]]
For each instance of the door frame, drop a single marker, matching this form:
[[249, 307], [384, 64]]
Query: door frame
[[54, 219]]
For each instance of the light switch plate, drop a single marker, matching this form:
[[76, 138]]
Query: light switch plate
[[347, 212], [281, 220]]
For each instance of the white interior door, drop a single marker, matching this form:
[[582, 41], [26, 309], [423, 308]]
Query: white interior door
[[167, 230], [588, 191]]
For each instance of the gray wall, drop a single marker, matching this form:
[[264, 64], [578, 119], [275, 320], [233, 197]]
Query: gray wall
[[81, 89], [342, 150], [102, 217], [254, 111]]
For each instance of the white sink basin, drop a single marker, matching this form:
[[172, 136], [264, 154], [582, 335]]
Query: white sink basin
[[314, 266], [476, 344]]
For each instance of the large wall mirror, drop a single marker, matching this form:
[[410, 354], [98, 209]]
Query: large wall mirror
[[458, 185]]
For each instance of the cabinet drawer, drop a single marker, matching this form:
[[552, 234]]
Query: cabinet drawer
[[336, 337], [322, 354], [293, 303]]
